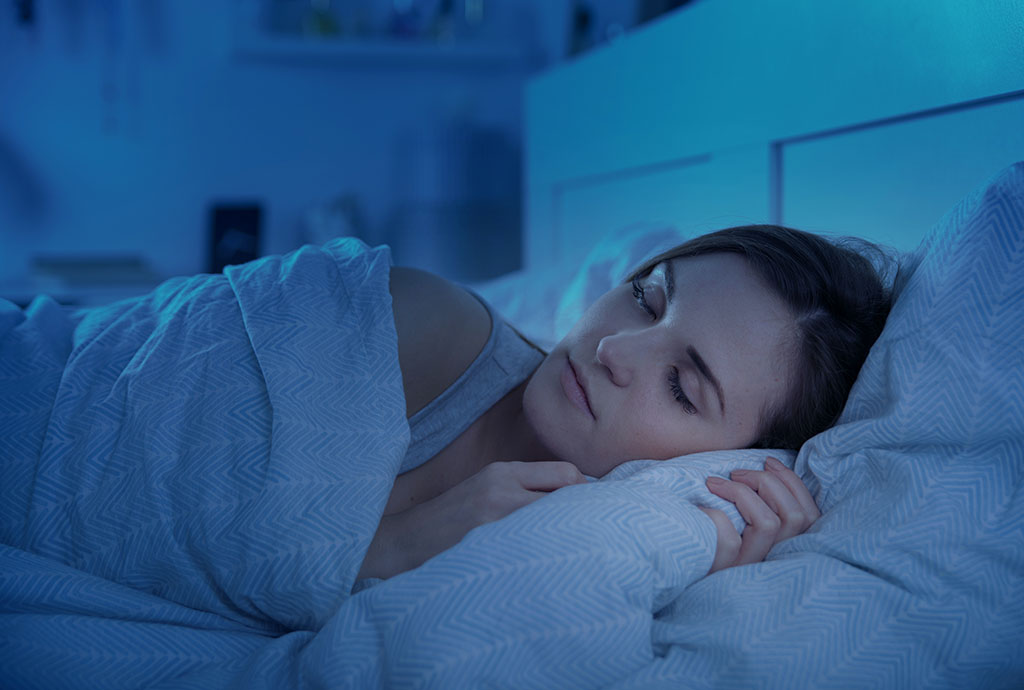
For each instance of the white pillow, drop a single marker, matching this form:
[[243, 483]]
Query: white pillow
[[945, 380]]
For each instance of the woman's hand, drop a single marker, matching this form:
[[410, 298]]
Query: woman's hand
[[775, 505], [407, 539]]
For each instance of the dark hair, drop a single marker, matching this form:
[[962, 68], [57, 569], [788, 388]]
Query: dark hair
[[839, 298]]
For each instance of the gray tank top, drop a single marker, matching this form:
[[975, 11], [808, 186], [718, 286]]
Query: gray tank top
[[504, 362]]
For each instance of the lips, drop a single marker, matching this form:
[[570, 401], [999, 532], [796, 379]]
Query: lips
[[573, 387]]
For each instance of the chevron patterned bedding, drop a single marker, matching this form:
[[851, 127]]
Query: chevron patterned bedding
[[114, 575], [226, 443]]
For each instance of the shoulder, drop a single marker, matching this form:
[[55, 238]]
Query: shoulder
[[441, 329]]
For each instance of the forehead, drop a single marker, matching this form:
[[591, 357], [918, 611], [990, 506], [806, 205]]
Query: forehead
[[721, 277], [740, 326]]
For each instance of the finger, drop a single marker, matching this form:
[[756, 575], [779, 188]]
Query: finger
[[727, 540], [795, 485], [546, 475], [762, 523], [530, 496], [777, 495]]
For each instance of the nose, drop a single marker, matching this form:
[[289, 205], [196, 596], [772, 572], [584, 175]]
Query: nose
[[617, 353]]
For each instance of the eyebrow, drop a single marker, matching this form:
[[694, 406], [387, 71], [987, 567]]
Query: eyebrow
[[698, 361]]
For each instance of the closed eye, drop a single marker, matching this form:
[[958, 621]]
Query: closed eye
[[640, 296], [677, 392]]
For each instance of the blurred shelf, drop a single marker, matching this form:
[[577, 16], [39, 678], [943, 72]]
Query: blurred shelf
[[380, 52], [22, 293]]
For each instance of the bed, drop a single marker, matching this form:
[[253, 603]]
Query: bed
[[115, 573]]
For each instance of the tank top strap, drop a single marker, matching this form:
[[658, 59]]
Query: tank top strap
[[505, 361]]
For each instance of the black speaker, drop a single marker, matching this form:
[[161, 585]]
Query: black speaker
[[234, 234], [25, 11]]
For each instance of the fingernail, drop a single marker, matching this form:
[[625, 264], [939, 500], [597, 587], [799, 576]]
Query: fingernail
[[715, 481], [773, 464], [741, 472]]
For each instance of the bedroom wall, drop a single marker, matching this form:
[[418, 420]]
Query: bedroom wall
[[122, 122]]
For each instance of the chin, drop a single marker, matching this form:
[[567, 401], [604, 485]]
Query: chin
[[557, 423], [547, 421], [559, 441]]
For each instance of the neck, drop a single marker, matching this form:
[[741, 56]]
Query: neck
[[509, 435]]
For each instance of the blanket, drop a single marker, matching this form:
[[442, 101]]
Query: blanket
[[226, 443], [194, 478], [913, 577]]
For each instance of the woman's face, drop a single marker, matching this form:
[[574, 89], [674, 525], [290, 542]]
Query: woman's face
[[688, 362]]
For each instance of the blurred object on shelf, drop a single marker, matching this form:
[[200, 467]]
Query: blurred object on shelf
[[440, 21], [25, 11], [647, 10], [339, 217], [465, 34], [442, 28], [472, 17], [437, 20], [315, 18], [320, 19], [581, 28], [360, 17], [406, 19], [284, 17], [457, 20]]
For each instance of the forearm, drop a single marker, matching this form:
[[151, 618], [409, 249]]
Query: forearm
[[389, 552]]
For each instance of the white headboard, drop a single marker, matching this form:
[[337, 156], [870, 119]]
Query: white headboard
[[869, 118]]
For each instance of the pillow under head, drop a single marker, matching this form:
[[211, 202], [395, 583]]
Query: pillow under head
[[922, 481], [945, 380]]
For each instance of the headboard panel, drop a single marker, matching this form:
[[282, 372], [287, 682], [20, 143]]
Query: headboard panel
[[868, 118]]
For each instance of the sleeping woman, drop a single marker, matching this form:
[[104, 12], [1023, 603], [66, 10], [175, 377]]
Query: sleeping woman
[[254, 444], [749, 337]]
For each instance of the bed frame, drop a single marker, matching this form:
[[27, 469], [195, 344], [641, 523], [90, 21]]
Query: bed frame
[[869, 118]]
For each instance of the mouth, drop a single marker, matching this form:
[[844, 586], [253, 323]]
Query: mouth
[[574, 390]]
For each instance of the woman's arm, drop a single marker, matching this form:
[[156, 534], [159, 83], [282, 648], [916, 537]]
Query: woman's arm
[[408, 539]]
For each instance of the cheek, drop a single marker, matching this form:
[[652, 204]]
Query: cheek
[[537, 389], [647, 428], [544, 404]]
